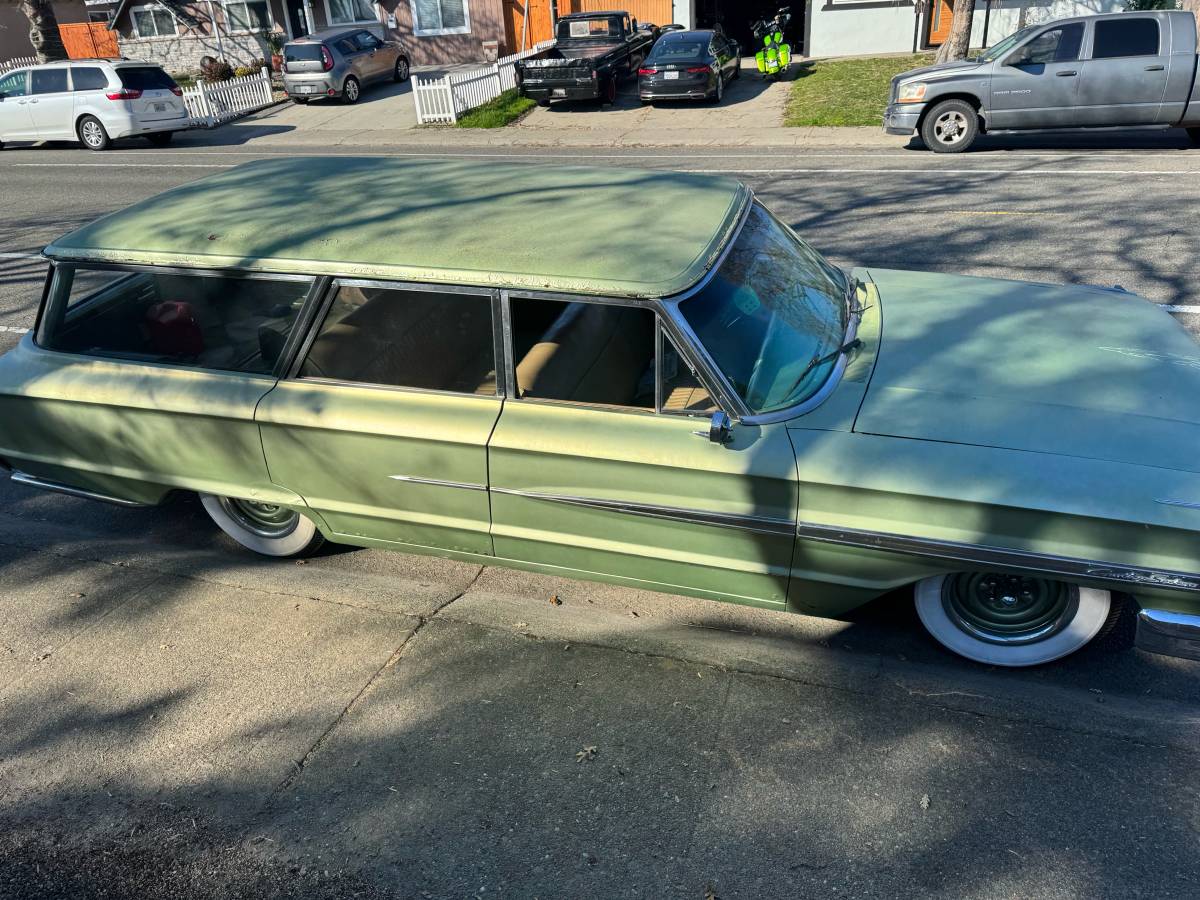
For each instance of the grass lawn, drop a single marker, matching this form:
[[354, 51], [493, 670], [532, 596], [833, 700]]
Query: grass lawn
[[504, 110], [846, 91]]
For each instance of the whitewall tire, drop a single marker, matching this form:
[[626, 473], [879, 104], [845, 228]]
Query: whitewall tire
[[262, 527], [1011, 620]]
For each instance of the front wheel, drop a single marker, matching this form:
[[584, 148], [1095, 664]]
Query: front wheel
[[402, 70], [92, 133], [1012, 620], [265, 528], [950, 127]]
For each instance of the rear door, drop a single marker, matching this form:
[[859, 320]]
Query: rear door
[[158, 98], [16, 115], [383, 426], [51, 103], [1124, 80], [1037, 85]]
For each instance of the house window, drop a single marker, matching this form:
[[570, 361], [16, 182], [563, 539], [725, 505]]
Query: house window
[[153, 21], [247, 15], [434, 17], [345, 12]]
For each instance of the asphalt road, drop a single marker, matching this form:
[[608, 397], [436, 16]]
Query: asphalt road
[[179, 718]]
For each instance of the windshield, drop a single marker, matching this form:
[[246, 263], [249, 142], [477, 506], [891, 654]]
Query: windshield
[[1001, 48], [772, 309]]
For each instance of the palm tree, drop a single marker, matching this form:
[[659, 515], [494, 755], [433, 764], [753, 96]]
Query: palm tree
[[43, 29]]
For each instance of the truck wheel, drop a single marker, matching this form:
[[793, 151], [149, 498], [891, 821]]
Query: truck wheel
[[950, 127], [543, 103], [609, 92], [1194, 136]]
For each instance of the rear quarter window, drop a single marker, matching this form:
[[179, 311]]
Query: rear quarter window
[[88, 78], [145, 78], [1127, 37]]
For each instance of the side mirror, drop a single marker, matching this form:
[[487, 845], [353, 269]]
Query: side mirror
[[720, 429], [634, 21]]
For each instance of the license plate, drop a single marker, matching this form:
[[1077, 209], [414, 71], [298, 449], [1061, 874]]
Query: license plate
[[304, 89], [160, 107], [558, 92], [671, 76]]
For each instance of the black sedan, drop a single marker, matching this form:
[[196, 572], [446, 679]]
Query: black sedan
[[689, 65]]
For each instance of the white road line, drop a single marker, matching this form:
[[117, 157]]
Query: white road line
[[13, 330]]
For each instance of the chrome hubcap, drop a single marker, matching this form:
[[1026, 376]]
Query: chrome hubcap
[[352, 90], [402, 69], [950, 127], [92, 134], [266, 520], [1009, 609]]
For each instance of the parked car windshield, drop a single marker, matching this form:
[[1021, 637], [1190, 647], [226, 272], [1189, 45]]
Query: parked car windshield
[[145, 78], [773, 309], [683, 50], [1002, 47]]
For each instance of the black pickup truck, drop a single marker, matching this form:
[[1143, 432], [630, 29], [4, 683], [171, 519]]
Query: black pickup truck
[[592, 53]]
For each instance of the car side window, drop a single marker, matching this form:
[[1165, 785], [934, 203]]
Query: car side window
[[409, 338], [170, 316], [582, 352], [1126, 37], [346, 46], [366, 41], [88, 78], [1056, 45], [13, 85], [48, 81]]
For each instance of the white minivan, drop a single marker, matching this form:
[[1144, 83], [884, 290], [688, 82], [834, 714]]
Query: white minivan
[[93, 101]]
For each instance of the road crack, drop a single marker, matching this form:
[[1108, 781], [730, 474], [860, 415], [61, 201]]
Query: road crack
[[301, 764]]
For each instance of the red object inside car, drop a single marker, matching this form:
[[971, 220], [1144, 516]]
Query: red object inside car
[[174, 330]]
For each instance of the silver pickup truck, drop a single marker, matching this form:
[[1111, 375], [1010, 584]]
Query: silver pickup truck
[[1125, 70]]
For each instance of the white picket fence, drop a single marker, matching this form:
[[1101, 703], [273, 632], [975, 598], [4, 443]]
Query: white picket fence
[[17, 63], [444, 98], [211, 104]]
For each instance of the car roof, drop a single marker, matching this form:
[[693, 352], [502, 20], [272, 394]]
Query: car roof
[[695, 35], [329, 34], [609, 232]]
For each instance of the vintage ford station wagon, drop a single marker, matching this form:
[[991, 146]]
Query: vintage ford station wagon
[[512, 364]]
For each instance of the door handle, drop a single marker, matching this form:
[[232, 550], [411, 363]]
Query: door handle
[[1155, 68], [1071, 74]]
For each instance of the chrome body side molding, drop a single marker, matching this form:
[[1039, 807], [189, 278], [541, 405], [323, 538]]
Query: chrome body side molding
[[1001, 557], [1169, 633], [762, 524], [56, 487], [462, 485]]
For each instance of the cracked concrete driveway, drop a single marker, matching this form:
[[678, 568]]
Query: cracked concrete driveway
[[177, 717]]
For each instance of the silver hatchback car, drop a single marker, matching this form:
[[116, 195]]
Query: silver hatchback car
[[338, 62]]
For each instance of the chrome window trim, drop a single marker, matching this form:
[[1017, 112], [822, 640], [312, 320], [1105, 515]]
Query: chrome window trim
[[395, 388], [748, 522], [1001, 557], [180, 270], [509, 355], [299, 334]]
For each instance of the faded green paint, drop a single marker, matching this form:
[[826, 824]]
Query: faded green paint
[[616, 232]]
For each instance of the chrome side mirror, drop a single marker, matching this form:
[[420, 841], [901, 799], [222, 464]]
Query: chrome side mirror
[[720, 429]]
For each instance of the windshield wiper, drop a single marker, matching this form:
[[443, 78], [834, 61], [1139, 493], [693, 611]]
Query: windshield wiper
[[821, 360]]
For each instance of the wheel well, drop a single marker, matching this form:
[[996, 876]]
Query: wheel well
[[968, 98]]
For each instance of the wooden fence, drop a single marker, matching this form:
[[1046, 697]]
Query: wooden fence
[[89, 40], [17, 63], [211, 104], [444, 98]]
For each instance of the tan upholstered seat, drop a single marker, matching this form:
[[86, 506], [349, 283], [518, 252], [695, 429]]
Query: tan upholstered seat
[[593, 353]]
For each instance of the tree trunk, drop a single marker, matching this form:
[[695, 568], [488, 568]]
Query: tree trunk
[[43, 30], [1194, 6], [959, 41]]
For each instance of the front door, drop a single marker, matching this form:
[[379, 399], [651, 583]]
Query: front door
[[16, 115], [595, 470], [1037, 85], [298, 25], [383, 429], [941, 16], [1124, 81]]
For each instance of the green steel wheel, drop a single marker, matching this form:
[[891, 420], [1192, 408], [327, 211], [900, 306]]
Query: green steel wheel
[[265, 528], [1011, 620]]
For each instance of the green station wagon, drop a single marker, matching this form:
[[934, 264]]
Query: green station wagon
[[508, 364]]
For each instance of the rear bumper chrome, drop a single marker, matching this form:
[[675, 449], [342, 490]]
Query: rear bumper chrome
[[1169, 633], [58, 488]]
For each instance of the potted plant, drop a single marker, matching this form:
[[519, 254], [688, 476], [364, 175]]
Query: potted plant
[[275, 45]]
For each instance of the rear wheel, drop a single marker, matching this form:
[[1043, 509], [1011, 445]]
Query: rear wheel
[[718, 93], [950, 127], [609, 91], [1011, 620], [92, 134], [402, 70], [265, 528], [160, 138], [351, 90]]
